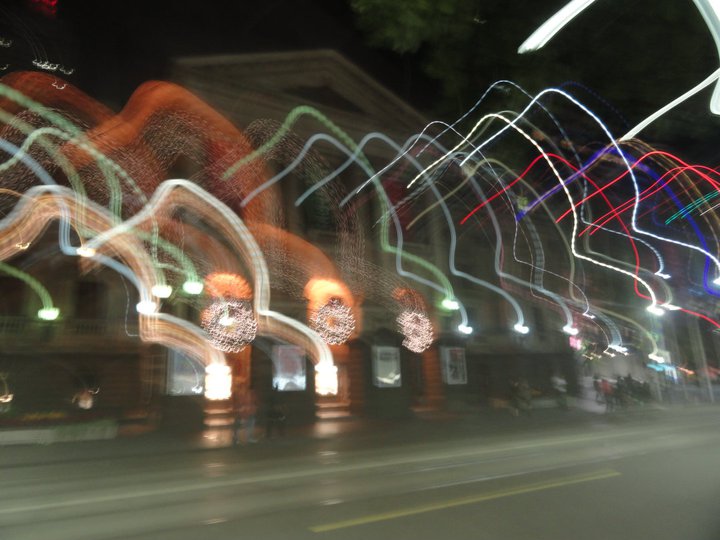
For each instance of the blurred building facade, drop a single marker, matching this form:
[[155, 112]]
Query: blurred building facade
[[95, 344], [249, 88]]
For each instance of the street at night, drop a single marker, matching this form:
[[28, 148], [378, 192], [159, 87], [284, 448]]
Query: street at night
[[651, 474], [360, 269]]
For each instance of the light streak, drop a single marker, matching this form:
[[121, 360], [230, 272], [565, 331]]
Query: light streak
[[584, 303], [174, 192], [511, 124], [599, 191], [652, 297], [498, 250], [450, 303], [41, 204], [444, 286], [612, 214], [553, 25], [638, 198], [715, 75], [710, 11], [354, 263]]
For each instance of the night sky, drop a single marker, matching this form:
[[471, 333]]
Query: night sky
[[115, 46], [637, 55]]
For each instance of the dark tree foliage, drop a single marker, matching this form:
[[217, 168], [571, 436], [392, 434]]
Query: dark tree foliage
[[626, 58], [444, 33]]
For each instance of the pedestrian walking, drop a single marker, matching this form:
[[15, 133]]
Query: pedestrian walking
[[607, 392], [249, 413], [520, 397], [244, 413], [559, 385], [276, 418]]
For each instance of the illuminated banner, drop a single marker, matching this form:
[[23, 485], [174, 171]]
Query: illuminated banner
[[288, 368], [386, 367], [454, 369], [185, 375]]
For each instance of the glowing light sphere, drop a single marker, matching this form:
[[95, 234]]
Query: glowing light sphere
[[146, 307], [417, 329], [161, 290], [83, 251], [465, 329], [218, 382], [521, 328], [193, 287], [48, 314], [230, 324], [334, 321]]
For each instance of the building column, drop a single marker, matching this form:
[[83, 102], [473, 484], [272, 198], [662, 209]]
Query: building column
[[356, 373], [434, 389]]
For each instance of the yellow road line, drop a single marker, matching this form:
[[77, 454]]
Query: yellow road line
[[509, 492]]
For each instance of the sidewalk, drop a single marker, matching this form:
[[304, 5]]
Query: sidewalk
[[338, 434]]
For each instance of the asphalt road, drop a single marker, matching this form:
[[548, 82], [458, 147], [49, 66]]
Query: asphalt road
[[655, 478]]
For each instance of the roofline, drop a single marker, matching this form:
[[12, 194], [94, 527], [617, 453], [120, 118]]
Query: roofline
[[307, 54]]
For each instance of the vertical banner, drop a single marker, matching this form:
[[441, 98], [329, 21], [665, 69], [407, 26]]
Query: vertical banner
[[288, 368], [185, 375], [454, 369], [386, 367]]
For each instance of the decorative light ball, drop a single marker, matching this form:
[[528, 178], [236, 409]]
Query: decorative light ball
[[334, 321], [230, 324], [417, 329]]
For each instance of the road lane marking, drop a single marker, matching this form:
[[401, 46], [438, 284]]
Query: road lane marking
[[509, 492], [285, 476], [324, 470]]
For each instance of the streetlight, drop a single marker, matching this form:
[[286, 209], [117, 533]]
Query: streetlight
[[465, 329], [146, 307], [193, 287], [161, 290], [521, 328], [570, 330], [48, 314]]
